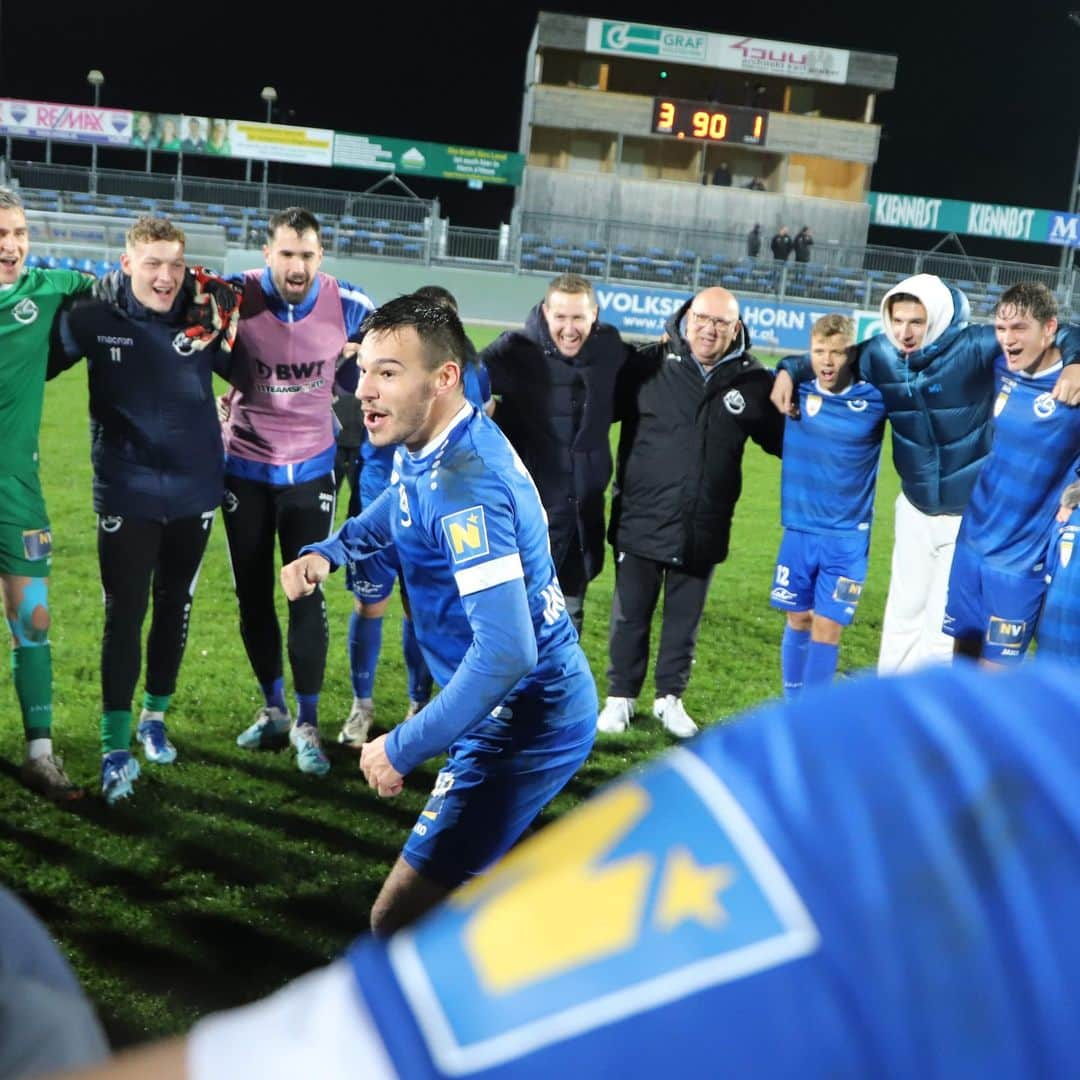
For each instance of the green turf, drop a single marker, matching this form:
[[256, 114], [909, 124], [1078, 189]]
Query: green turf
[[231, 872]]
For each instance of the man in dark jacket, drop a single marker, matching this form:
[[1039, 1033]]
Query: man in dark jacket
[[158, 478], [687, 405], [781, 244], [555, 385], [803, 242], [753, 242]]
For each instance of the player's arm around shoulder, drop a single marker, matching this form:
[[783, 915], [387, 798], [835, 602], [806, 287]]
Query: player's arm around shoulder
[[65, 348], [1067, 388]]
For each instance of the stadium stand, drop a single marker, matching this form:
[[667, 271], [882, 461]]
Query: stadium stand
[[410, 229]]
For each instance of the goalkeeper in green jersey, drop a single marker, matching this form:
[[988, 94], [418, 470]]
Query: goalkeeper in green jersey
[[29, 301]]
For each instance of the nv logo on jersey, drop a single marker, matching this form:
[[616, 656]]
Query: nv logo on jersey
[[639, 916], [1005, 632], [813, 404], [466, 532]]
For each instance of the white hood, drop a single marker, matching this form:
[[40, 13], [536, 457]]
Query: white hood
[[934, 295]]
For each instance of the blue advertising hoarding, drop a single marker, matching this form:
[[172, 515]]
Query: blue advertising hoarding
[[640, 311]]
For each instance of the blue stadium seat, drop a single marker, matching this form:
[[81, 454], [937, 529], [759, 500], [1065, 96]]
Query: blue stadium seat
[[594, 266], [33, 260]]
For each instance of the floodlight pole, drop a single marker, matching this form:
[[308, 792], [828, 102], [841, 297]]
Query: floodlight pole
[[1066, 252], [95, 79], [269, 95]]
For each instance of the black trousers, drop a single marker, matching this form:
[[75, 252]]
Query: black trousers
[[573, 582], [258, 518], [136, 557], [637, 589]]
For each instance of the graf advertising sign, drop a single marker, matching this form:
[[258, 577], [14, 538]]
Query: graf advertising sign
[[418, 158], [69, 123], [759, 56]]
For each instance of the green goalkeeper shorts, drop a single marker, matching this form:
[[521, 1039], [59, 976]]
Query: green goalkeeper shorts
[[25, 536]]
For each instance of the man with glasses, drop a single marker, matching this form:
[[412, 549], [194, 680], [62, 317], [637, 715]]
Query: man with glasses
[[687, 404]]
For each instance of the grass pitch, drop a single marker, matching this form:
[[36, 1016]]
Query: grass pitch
[[230, 872]]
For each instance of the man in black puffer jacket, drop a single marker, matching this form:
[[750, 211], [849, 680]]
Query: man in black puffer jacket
[[687, 404], [158, 478], [555, 385]]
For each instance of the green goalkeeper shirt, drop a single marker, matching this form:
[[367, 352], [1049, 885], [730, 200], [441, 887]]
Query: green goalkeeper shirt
[[27, 310]]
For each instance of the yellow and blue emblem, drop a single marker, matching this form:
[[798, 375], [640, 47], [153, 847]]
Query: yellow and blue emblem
[[466, 533], [604, 915]]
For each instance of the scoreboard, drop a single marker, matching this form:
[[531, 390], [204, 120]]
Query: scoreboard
[[709, 121]]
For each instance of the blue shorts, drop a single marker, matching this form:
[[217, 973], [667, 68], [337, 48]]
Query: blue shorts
[[820, 572], [991, 605], [497, 780], [372, 579]]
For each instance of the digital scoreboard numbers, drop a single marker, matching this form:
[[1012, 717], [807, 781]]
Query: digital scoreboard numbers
[[712, 123]]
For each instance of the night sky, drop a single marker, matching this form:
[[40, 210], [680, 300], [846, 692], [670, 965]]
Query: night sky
[[985, 107]]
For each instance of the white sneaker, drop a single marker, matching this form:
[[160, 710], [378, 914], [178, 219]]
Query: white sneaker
[[354, 731], [670, 712], [616, 715]]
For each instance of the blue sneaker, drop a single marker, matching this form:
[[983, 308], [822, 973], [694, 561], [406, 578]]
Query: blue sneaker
[[155, 742], [309, 752], [119, 771], [269, 732]]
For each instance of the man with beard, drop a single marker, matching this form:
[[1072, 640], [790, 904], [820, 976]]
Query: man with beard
[[295, 323], [687, 404], [555, 383]]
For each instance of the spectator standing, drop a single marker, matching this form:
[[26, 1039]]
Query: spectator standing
[[721, 176], [753, 242], [804, 241], [781, 244]]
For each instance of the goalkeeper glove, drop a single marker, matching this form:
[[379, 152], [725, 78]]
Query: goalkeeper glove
[[213, 311]]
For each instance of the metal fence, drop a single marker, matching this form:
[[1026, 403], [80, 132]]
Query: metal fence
[[235, 194], [401, 227]]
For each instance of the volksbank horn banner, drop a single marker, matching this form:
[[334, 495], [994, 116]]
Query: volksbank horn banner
[[994, 220], [773, 326], [254, 140]]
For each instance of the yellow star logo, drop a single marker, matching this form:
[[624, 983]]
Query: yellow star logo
[[690, 891]]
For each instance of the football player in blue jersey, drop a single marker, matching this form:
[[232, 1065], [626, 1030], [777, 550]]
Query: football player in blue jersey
[[371, 580], [998, 577], [518, 707], [1058, 632], [877, 879], [832, 448]]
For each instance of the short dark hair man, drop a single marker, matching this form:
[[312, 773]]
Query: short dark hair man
[[555, 383], [687, 404], [517, 710]]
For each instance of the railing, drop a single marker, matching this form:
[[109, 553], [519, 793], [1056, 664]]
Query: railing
[[236, 194], [366, 225]]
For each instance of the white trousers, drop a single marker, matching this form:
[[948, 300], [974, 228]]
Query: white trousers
[[911, 635]]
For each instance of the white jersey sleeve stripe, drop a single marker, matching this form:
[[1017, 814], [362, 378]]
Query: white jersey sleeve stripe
[[487, 575], [315, 1026]]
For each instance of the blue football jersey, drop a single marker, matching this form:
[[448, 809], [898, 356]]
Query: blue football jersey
[[1059, 627], [877, 880], [469, 517], [831, 457], [1035, 453]]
